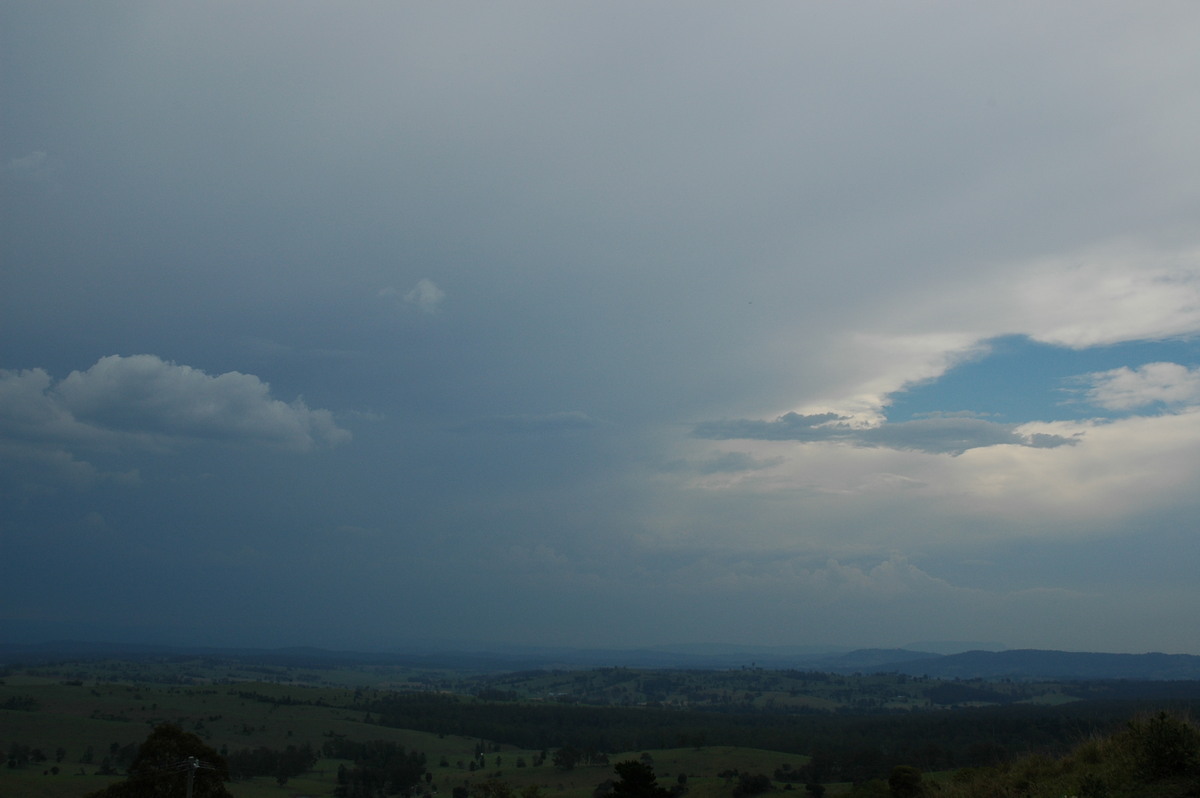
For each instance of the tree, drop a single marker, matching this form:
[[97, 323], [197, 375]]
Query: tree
[[566, 758], [751, 785], [164, 765], [637, 780], [905, 782], [18, 755]]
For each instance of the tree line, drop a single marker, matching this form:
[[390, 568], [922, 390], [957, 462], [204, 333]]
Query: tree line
[[380, 767], [843, 747]]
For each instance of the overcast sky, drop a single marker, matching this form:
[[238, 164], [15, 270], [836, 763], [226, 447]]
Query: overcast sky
[[600, 324]]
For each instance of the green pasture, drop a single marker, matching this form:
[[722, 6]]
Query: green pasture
[[101, 714], [701, 765], [107, 705]]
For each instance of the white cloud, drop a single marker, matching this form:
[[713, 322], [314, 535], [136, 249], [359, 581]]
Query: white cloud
[[1126, 389], [1097, 295], [893, 577], [145, 394], [1115, 471], [36, 430], [1118, 470], [30, 412], [143, 400], [425, 295], [1122, 292], [892, 359]]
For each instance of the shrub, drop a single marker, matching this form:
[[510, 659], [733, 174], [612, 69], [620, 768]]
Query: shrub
[[1164, 745]]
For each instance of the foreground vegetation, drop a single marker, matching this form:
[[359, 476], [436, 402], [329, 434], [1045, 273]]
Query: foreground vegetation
[[74, 728], [1155, 756]]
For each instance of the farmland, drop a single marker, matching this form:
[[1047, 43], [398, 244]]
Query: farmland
[[72, 727]]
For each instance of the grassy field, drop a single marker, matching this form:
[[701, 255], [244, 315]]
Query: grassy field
[[62, 724], [77, 716], [84, 721]]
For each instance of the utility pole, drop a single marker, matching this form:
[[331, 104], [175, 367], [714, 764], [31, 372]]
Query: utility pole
[[192, 763]]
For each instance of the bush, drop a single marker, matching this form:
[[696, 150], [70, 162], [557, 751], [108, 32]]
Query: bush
[[1164, 745]]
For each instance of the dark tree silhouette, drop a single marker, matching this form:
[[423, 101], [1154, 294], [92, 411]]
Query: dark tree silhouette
[[567, 757], [164, 764], [637, 780], [905, 782]]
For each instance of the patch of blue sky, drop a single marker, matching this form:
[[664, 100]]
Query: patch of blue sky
[[1020, 380]]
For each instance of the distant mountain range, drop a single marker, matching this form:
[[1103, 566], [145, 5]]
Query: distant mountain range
[[1017, 664]]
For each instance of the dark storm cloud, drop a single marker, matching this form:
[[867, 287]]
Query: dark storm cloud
[[534, 424], [441, 223], [940, 435], [721, 463]]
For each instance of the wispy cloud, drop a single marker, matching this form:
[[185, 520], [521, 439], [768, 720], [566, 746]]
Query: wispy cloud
[[937, 435]]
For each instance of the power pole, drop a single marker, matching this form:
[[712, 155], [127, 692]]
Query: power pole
[[193, 763]]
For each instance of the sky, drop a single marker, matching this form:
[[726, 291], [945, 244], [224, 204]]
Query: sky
[[600, 324]]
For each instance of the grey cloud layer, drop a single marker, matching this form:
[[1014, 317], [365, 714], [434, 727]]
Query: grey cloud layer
[[548, 423], [526, 247], [940, 435]]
